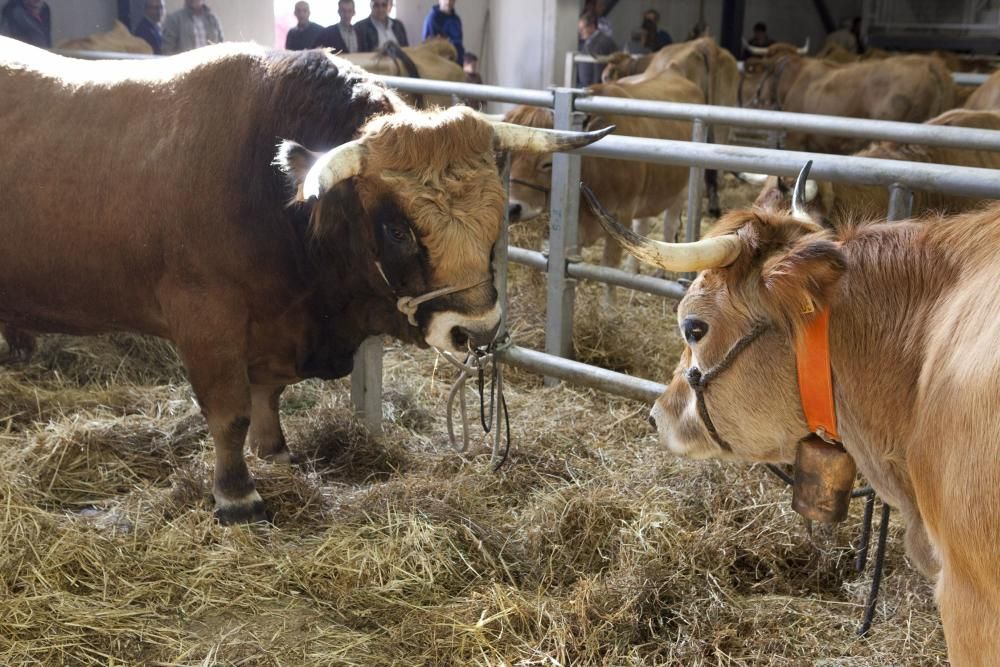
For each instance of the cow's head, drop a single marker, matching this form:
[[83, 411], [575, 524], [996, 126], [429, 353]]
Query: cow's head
[[762, 275], [422, 196], [619, 65]]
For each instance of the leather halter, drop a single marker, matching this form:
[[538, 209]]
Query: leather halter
[[812, 360], [699, 381], [408, 304]]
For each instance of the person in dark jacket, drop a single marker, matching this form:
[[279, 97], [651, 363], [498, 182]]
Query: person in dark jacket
[[595, 43], [379, 28], [442, 21], [303, 35], [29, 21], [150, 27], [657, 38], [342, 37]]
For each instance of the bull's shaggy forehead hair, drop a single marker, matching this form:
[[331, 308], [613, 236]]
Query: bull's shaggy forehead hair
[[439, 167]]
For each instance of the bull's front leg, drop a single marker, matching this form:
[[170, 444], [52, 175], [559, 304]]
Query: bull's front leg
[[217, 368], [20, 345], [267, 439]]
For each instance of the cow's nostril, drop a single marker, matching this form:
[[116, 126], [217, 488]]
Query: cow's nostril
[[514, 211], [652, 421]]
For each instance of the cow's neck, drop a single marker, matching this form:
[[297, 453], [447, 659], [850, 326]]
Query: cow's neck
[[877, 338]]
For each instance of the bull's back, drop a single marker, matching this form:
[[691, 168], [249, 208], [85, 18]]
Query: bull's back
[[987, 96], [113, 172]]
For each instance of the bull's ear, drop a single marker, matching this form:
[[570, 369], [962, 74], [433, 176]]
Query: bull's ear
[[802, 279], [296, 161]]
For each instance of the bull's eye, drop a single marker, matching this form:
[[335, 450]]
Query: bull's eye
[[693, 329], [547, 166], [398, 234]]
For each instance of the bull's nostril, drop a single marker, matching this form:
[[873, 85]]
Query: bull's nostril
[[514, 211]]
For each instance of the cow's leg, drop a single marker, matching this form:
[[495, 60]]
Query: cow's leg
[[640, 226], [266, 437], [612, 256], [217, 368], [970, 613], [20, 345], [712, 190]]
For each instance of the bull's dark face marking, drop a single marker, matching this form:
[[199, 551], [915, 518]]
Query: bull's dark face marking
[[403, 257]]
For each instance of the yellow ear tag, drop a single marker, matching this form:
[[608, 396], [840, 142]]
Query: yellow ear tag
[[808, 307]]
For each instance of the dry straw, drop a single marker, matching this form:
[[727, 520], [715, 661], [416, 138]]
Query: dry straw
[[590, 547]]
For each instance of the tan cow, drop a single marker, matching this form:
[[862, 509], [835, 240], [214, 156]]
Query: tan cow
[[435, 59], [118, 39], [839, 204], [904, 88], [987, 96], [634, 190], [914, 315], [712, 68], [171, 212]]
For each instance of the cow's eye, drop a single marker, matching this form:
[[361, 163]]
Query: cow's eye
[[693, 329], [547, 166]]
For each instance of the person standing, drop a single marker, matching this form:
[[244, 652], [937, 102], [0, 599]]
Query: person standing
[[150, 27], [379, 28], [189, 28], [28, 21], [342, 36], [442, 21], [595, 43], [659, 37], [303, 35]]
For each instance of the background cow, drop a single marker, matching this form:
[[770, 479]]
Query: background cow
[[163, 214], [634, 190], [434, 59], [840, 204], [914, 315]]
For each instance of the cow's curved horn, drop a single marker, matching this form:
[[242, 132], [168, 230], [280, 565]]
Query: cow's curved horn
[[332, 167], [805, 48], [513, 137], [755, 50], [704, 254], [799, 198]]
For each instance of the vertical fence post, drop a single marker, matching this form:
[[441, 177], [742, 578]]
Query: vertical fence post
[[696, 183], [500, 264], [569, 71], [563, 235], [900, 202], [366, 383]]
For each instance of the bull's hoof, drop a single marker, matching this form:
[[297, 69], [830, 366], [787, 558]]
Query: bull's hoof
[[16, 356], [232, 513]]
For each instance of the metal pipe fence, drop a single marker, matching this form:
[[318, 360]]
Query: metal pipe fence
[[562, 263]]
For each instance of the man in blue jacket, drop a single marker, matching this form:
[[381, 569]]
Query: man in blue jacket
[[442, 21]]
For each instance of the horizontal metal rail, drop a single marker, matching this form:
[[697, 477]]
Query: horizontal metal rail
[[858, 128], [961, 78], [103, 55], [595, 377], [538, 98], [603, 274], [963, 181]]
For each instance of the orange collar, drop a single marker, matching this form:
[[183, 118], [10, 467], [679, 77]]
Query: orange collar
[[812, 357]]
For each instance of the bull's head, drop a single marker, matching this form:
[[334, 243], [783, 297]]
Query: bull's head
[[423, 198], [762, 275]]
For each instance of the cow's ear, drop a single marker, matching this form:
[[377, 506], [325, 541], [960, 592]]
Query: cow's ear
[[296, 161], [802, 279]]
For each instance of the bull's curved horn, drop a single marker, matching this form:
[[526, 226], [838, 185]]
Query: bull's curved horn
[[752, 177], [755, 50], [805, 48], [513, 137], [332, 167], [704, 254], [799, 198]]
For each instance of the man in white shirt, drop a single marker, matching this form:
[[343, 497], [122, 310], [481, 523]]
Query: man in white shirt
[[190, 28]]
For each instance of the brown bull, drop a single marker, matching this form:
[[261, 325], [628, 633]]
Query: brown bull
[[840, 204], [914, 318], [905, 88], [152, 197], [703, 62]]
